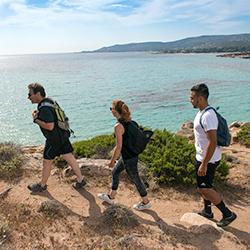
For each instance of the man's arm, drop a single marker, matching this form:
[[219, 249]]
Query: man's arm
[[45, 125], [212, 143]]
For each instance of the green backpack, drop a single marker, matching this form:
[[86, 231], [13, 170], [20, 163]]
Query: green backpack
[[62, 119]]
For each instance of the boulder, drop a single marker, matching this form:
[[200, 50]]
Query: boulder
[[187, 130], [195, 220]]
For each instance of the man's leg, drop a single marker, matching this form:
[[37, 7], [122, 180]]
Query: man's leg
[[210, 194], [71, 160], [47, 165]]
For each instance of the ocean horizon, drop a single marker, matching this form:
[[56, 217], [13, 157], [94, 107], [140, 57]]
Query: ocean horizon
[[155, 86]]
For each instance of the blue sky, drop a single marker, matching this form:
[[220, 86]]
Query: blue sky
[[45, 26]]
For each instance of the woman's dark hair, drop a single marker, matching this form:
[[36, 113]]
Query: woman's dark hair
[[122, 109], [36, 87], [201, 89]]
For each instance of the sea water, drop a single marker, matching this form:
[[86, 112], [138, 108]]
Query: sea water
[[155, 86]]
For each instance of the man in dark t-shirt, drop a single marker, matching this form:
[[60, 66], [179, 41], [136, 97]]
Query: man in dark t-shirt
[[57, 140]]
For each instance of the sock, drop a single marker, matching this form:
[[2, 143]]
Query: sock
[[207, 206], [225, 211]]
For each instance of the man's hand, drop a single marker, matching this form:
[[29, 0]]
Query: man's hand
[[34, 114], [111, 164], [202, 170]]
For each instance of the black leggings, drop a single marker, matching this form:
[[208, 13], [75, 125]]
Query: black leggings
[[131, 168]]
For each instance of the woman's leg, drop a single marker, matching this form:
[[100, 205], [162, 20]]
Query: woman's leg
[[119, 167], [131, 167]]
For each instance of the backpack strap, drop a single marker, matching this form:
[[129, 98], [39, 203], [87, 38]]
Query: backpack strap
[[47, 102], [206, 109]]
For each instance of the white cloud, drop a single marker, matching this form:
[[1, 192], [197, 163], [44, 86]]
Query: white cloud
[[147, 12]]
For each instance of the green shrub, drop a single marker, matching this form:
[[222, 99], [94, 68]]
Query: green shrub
[[97, 147], [243, 137], [170, 159], [10, 160]]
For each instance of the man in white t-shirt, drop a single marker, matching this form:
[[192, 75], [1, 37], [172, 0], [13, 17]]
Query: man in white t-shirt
[[208, 154]]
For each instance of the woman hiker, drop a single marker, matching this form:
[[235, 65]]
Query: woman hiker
[[128, 159]]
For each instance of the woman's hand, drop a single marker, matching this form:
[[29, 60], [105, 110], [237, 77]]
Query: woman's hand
[[111, 164]]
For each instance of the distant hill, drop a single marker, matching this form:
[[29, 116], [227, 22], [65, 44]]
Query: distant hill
[[218, 43]]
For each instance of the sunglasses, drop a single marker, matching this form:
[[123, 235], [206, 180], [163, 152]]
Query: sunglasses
[[29, 94], [110, 108]]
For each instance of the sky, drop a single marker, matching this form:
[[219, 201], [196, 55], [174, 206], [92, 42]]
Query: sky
[[54, 26]]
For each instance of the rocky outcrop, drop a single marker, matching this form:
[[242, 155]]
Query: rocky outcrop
[[186, 129]]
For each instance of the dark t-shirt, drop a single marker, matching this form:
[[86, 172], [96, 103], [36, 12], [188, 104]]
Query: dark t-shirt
[[47, 114]]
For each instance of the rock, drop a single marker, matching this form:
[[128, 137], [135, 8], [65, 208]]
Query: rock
[[232, 159], [205, 229], [187, 130], [235, 124], [92, 167], [195, 219], [188, 125]]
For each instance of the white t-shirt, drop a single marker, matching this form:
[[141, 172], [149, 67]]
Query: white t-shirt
[[210, 122]]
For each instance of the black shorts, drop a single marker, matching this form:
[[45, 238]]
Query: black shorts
[[207, 180], [53, 150]]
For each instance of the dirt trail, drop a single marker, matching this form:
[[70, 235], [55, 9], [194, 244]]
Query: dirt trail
[[160, 227]]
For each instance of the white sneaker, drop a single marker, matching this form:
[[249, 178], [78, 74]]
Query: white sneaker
[[106, 198], [141, 206]]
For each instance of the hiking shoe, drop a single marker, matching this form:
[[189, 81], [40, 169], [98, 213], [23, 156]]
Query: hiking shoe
[[226, 220], [37, 188], [206, 215], [106, 197], [142, 206], [79, 185]]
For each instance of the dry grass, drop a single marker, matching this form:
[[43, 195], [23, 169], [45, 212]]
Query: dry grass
[[10, 160]]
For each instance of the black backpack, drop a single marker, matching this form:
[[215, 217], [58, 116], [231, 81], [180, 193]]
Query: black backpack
[[223, 134], [138, 138]]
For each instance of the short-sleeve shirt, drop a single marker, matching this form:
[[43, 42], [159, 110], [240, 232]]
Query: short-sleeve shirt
[[209, 121], [47, 115]]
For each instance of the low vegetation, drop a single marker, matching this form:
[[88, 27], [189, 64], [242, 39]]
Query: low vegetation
[[97, 147], [168, 157], [243, 137], [10, 160]]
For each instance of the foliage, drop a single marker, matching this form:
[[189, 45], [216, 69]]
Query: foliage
[[10, 160], [170, 159], [243, 137], [97, 147]]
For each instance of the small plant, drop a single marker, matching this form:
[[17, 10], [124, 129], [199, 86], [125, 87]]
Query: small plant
[[4, 230], [97, 147], [243, 137], [119, 216], [10, 160], [52, 209]]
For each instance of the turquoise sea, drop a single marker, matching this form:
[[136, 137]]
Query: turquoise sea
[[155, 86]]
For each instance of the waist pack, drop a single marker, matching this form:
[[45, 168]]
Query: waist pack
[[61, 118], [138, 138], [223, 134]]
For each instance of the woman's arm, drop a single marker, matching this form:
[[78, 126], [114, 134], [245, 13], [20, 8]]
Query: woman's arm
[[119, 131]]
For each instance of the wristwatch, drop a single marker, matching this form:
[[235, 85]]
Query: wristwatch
[[35, 119]]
